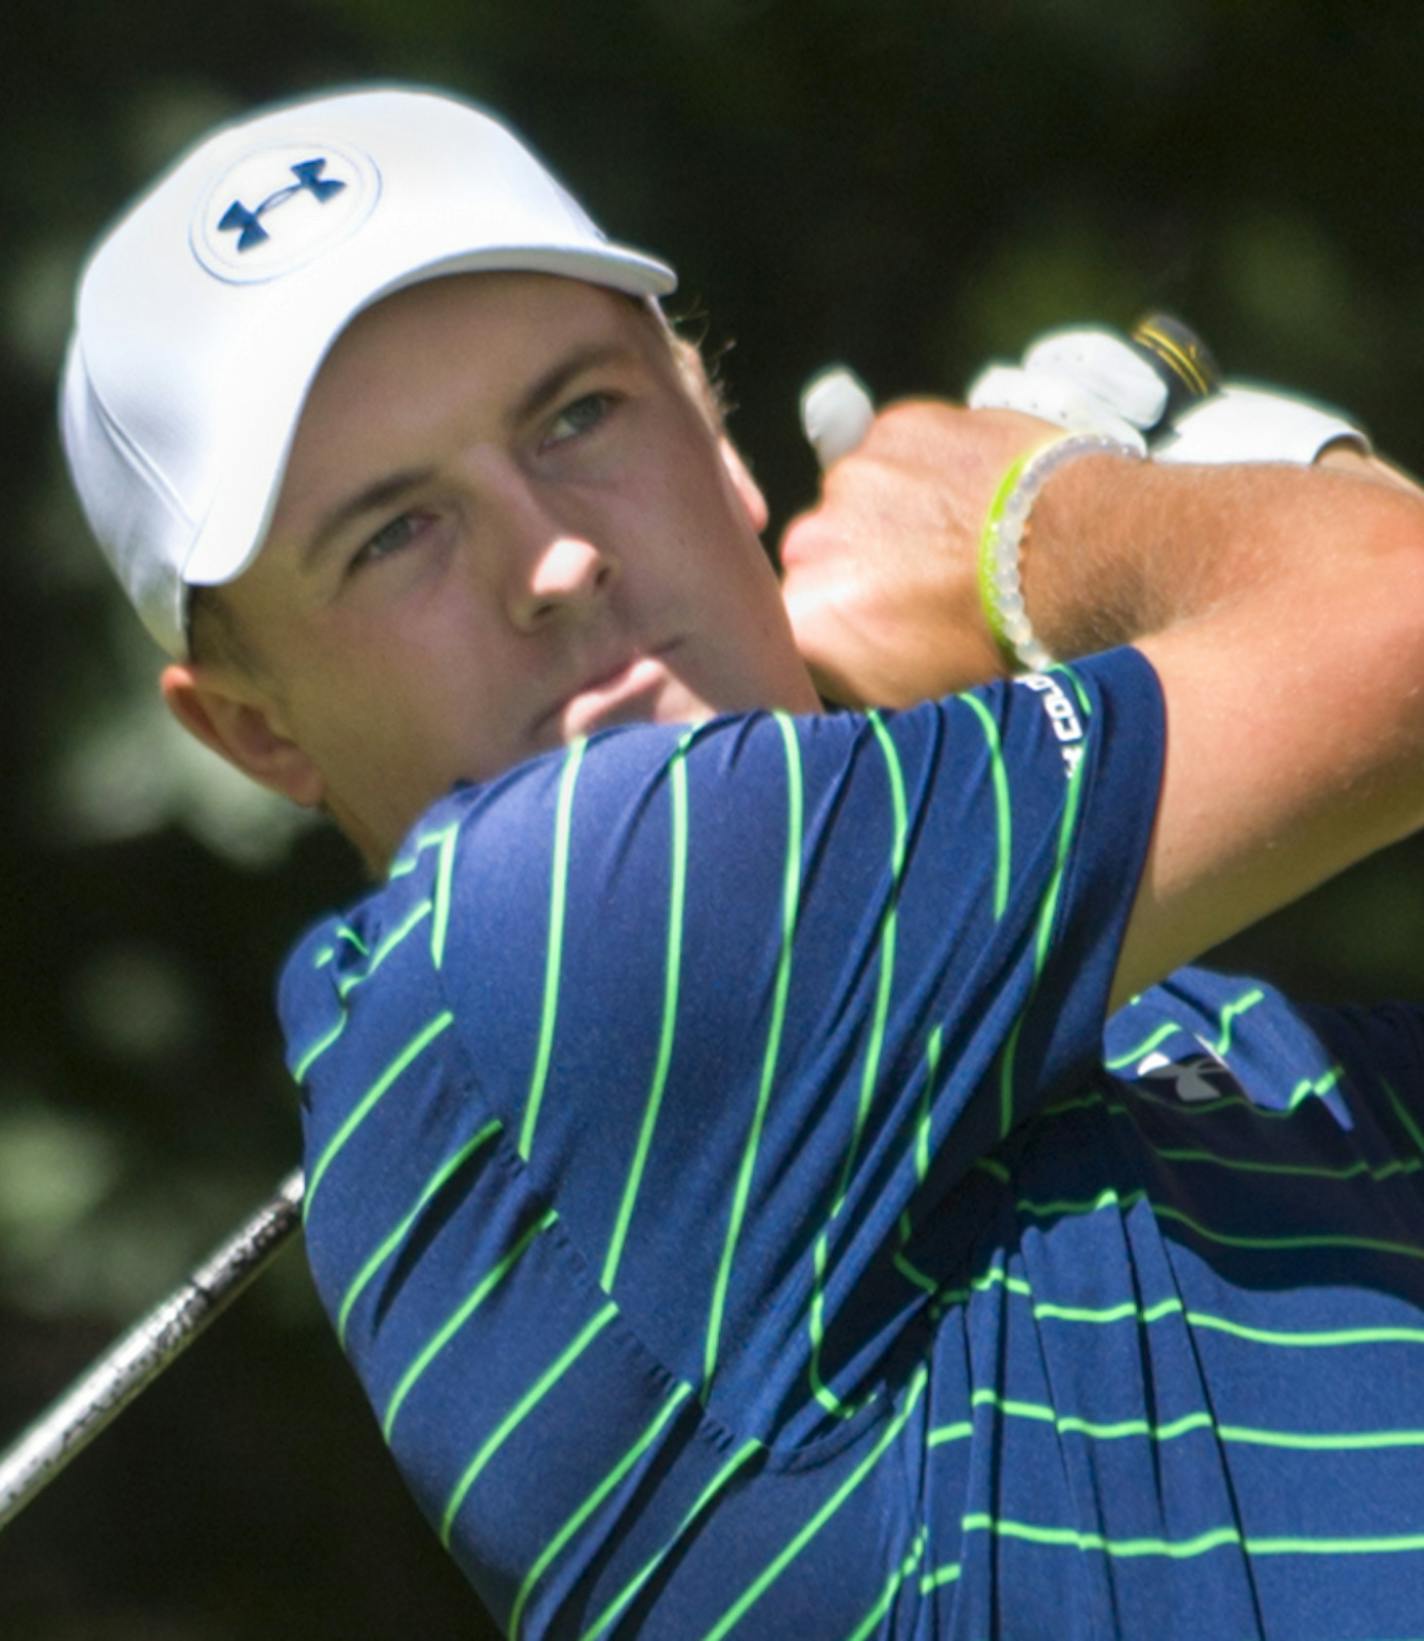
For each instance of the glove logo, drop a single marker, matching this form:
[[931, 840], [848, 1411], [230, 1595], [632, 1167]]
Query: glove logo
[[322, 194]]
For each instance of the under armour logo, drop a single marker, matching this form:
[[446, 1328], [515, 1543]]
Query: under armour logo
[[247, 225], [1191, 1079]]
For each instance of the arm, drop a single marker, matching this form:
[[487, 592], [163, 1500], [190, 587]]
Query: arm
[[1289, 638], [1287, 618]]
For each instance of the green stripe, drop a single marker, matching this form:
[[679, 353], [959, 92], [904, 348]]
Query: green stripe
[[558, 899], [1307, 1088], [1072, 804], [1318, 1338], [790, 894], [389, 1245], [934, 1048], [1345, 1441], [1384, 1171], [518, 1413], [1047, 912], [1141, 1094], [1145, 1047], [1232, 1012], [763, 1582], [458, 1317], [1110, 1198], [672, 970], [591, 1503], [1229, 1012], [1402, 1543], [1124, 1549], [871, 1622], [870, 1069], [416, 1046], [443, 876], [993, 1277], [630, 1589], [933, 1579], [1341, 1441], [910, 1271], [1003, 811], [349, 984], [417, 914], [1045, 1310], [1061, 669], [344, 931], [408, 863], [1008, 1060], [318, 1048], [1406, 1121], [1189, 1548], [1245, 1165]]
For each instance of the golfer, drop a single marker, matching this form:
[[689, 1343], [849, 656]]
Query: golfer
[[715, 1171]]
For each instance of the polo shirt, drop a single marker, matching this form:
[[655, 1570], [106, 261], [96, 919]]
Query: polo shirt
[[720, 1182]]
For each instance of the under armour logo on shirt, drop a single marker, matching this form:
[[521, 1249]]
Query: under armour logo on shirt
[[247, 224], [1191, 1079]]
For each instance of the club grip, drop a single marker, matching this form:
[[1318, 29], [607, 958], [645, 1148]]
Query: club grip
[[1184, 363]]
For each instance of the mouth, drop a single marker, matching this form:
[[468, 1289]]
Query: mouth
[[621, 693]]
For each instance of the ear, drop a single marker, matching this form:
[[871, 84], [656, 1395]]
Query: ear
[[751, 498], [240, 725]]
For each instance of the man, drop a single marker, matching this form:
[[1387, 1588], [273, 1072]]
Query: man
[[710, 1171]]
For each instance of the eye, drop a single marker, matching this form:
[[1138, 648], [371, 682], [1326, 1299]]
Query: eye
[[582, 416], [389, 539]]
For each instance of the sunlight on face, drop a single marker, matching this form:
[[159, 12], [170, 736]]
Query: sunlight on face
[[504, 523]]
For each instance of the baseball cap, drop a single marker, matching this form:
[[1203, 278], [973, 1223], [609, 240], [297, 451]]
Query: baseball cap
[[204, 314]]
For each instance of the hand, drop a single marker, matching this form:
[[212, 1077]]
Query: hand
[[881, 577]]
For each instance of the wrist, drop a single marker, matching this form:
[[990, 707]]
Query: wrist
[[1014, 533]]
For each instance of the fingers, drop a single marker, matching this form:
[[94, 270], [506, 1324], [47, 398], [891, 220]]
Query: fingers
[[836, 413]]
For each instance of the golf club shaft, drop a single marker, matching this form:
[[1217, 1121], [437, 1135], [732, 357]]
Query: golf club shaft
[[134, 1361]]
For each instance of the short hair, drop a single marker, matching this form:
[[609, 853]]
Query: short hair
[[215, 638]]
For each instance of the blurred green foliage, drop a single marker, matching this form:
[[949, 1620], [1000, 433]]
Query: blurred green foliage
[[910, 186]]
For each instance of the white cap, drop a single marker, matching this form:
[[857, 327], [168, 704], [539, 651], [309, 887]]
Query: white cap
[[204, 315]]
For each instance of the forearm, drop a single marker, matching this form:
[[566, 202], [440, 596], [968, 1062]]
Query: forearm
[[1117, 550], [1282, 609], [1284, 614]]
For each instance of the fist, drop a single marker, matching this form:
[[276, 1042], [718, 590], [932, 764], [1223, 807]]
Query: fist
[[881, 576]]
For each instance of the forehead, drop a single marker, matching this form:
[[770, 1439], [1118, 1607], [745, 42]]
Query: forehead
[[419, 375], [493, 320]]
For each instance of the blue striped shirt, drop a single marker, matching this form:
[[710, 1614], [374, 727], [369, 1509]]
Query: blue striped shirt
[[716, 1182]]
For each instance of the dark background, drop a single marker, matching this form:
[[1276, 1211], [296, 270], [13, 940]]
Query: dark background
[[909, 186]]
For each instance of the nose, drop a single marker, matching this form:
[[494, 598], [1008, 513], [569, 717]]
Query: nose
[[559, 576], [552, 567]]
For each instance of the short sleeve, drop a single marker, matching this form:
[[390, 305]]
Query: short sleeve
[[746, 1001]]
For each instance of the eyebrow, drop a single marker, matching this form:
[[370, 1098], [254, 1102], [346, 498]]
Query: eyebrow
[[391, 488], [372, 498], [552, 383]]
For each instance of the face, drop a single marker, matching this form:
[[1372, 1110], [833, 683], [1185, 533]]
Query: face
[[504, 523]]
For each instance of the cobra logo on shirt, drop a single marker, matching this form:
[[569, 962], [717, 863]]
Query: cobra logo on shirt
[[1062, 715]]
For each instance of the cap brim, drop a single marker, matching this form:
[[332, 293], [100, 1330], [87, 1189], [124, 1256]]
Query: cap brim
[[262, 420]]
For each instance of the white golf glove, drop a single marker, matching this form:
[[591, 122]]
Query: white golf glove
[[1089, 380]]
